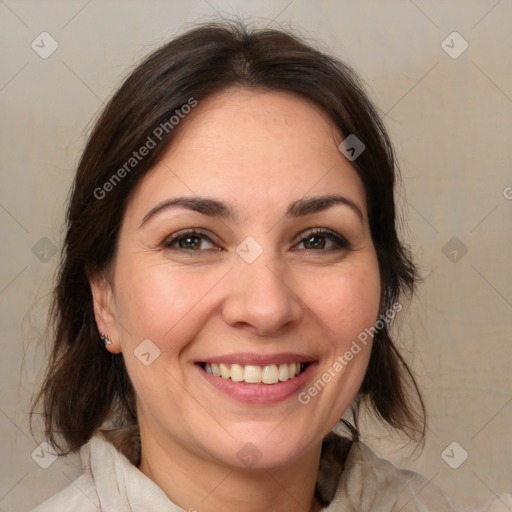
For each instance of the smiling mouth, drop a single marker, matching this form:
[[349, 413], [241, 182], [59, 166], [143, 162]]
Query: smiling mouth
[[254, 374]]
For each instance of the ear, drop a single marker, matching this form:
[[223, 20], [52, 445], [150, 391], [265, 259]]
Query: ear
[[104, 310]]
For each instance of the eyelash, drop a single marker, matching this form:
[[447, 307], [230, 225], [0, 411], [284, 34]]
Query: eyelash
[[341, 241]]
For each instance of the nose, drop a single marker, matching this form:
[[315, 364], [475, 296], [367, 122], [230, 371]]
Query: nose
[[261, 297]]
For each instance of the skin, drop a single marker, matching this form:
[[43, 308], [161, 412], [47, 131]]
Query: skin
[[258, 151]]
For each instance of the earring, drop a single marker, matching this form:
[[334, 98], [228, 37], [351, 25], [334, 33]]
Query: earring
[[106, 340]]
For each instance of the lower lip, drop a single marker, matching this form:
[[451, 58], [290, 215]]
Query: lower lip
[[259, 393]]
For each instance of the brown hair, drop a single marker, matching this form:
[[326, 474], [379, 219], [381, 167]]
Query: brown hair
[[85, 385]]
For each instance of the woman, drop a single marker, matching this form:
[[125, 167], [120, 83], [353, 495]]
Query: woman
[[230, 268]]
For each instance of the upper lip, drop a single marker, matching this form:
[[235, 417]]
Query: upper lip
[[258, 359]]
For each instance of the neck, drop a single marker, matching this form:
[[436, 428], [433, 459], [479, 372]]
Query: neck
[[197, 483]]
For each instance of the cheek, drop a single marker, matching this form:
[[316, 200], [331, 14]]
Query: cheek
[[163, 305], [347, 302], [160, 303], [347, 305]]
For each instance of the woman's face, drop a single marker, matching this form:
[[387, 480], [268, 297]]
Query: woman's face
[[253, 293]]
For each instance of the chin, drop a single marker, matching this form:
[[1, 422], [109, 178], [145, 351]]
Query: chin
[[265, 449]]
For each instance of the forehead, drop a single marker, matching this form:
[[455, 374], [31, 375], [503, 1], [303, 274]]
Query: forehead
[[256, 150]]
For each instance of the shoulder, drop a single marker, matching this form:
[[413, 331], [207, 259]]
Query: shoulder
[[369, 483], [79, 496], [82, 494], [110, 483], [393, 488], [405, 490]]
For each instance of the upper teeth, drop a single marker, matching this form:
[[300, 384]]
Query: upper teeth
[[253, 374]]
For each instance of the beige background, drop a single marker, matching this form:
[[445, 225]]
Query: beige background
[[450, 119]]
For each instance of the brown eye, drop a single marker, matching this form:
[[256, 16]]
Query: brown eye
[[188, 241], [317, 240], [314, 242]]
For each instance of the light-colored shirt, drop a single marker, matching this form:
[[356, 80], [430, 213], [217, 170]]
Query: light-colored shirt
[[111, 483]]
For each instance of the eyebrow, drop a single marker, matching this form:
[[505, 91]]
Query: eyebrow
[[215, 208]]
